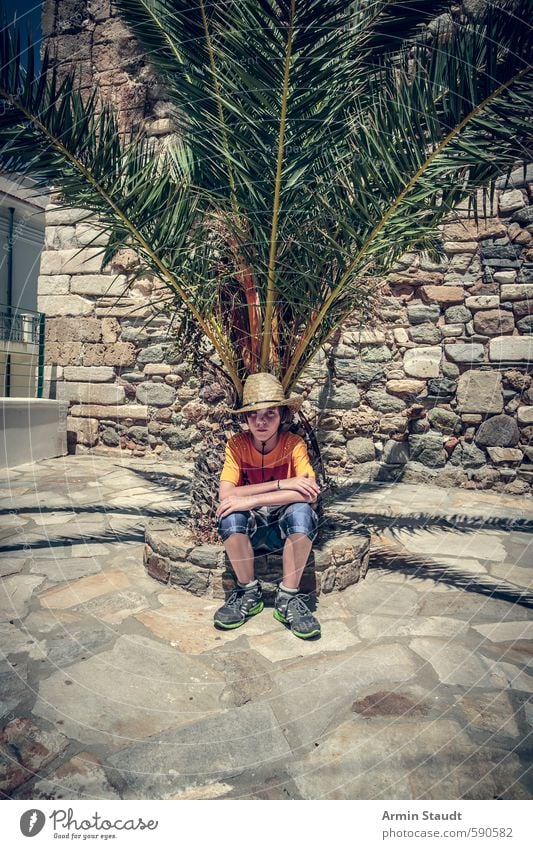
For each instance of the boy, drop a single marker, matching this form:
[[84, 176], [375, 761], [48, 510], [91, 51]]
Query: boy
[[267, 489]]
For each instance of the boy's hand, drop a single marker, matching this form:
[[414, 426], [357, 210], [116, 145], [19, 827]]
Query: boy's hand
[[235, 504], [303, 484]]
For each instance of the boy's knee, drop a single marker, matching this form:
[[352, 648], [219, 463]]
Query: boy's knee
[[299, 518], [235, 523]]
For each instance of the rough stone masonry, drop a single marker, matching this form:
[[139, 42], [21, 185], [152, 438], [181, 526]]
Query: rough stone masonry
[[439, 388]]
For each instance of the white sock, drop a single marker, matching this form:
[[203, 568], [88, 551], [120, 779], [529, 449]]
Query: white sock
[[288, 590], [248, 586]]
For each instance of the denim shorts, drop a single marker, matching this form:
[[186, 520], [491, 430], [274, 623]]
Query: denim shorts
[[268, 527]]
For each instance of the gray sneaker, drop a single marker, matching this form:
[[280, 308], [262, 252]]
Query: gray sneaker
[[292, 611], [239, 607]]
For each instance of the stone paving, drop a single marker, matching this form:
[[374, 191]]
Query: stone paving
[[115, 686]]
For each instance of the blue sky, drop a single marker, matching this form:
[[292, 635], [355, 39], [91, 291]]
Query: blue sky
[[28, 13]]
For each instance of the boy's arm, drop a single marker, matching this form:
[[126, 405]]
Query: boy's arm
[[303, 484], [269, 494], [231, 503]]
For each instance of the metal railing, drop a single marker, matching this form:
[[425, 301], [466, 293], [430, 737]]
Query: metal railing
[[21, 352]]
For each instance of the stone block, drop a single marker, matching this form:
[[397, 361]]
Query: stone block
[[208, 556], [113, 354], [517, 179], [452, 248], [480, 392], [53, 284], [361, 420], [64, 305], [516, 348], [451, 331], [158, 567], [443, 295], [156, 368], [364, 336], [72, 261], [390, 423], [405, 387], [100, 411], [511, 201], [525, 325], [134, 311], [493, 322], [506, 277], [463, 352], [522, 308], [458, 314], [425, 334], [344, 397], [71, 330], [401, 336], [85, 430], [460, 262], [87, 234], [505, 456], [499, 431], [88, 374], [110, 330], [106, 285], [55, 215], [91, 393], [422, 362], [361, 450], [357, 371], [482, 302], [445, 421], [468, 456], [376, 354], [525, 415], [68, 353], [427, 448], [59, 238], [517, 292], [395, 453], [382, 401], [189, 577], [156, 394], [442, 387], [421, 313], [152, 354], [470, 231]]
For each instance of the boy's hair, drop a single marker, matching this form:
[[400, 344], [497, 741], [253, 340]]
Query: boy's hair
[[285, 414]]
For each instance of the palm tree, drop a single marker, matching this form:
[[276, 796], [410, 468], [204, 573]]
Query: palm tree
[[319, 140]]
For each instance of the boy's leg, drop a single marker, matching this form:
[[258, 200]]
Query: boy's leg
[[299, 523], [247, 599], [241, 556], [296, 552]]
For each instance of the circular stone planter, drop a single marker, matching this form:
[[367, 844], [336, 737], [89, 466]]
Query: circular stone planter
[[172, 557]]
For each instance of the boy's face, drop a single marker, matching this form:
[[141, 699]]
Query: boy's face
[[264, 423]]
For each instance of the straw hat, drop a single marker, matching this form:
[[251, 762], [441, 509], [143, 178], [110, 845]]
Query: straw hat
[[264, 390]]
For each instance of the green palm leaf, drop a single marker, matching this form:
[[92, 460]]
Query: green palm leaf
[[315, 147]]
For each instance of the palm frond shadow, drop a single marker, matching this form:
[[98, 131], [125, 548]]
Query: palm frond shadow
[[131, 536], [385, 560], [169, 482], [395, 561], [422, 521]]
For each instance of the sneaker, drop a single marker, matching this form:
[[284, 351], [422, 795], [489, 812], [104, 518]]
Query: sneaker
[[239, 607], [292, 610]]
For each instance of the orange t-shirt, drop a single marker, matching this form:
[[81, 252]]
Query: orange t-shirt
[[243, 461]]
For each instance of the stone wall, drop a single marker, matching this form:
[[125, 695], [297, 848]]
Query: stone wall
[[438, 387]]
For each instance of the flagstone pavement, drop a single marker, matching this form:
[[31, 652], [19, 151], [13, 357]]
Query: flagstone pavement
[[113, 685]]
